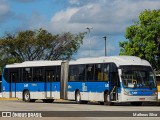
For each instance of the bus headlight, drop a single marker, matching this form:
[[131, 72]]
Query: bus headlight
[[155, 93]]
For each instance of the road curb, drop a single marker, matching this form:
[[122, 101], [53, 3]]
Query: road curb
[[9, 99]]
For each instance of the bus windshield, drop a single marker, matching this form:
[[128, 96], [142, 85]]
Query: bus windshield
[[138, 77]]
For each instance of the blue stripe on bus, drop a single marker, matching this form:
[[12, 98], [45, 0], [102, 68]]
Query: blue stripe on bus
[[141, 89], [72, 86], [88, 86], [141, 93], [32, 87]]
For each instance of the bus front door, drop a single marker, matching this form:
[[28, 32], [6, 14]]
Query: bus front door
[[50, 76], [13, 78], [114, 86]]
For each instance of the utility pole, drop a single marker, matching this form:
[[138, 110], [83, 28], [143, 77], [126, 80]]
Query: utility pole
[[105, 45], [89, 30]]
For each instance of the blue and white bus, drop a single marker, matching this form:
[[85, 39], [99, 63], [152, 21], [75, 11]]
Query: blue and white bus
[[107, 80], [32, 80]]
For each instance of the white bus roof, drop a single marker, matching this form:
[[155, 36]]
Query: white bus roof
[[34, 64], [118, 60]]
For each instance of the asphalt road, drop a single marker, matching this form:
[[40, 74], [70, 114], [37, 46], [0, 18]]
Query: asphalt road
[[68, 110]]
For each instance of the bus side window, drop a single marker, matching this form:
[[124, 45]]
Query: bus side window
[[14, 75], [98, 76], [73, 73], [27, 74], [81, 72], [106, 72], [90, 71], [6, 74], [38, 74], [58, 71]]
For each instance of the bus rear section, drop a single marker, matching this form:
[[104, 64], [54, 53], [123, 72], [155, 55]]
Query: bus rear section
[[32, 80]]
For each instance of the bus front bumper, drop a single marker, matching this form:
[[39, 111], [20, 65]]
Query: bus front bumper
[[127, 98]]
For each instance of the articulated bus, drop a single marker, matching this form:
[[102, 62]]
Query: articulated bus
[[107, 80]]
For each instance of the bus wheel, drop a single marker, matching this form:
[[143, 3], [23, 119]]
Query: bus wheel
[[48, 100], [26, 96], [78, 97], [136, 103], [106, 99]]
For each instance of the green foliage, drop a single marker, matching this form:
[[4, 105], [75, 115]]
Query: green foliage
[[144, 38], [38, 45]]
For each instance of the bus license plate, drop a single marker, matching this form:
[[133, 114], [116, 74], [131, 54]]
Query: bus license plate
[[141, 98]]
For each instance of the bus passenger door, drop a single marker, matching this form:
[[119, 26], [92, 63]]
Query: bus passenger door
[[114, 86], [50, 76], [13, 79], [114, 83]]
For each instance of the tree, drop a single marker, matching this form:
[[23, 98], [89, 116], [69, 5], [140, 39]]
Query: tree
[[38, 45], [144, 38]]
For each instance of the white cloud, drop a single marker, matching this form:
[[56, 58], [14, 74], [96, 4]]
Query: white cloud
[[60, 21], [35, 21], [74, 2], [4, 10], [105, 16], [64, 15]]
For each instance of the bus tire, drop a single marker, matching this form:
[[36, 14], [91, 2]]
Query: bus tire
[[106, 102], [26, 96], [136, 103], [48, 100], [78, 97]]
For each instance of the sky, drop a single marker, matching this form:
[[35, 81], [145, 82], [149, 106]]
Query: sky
[[107, 18]]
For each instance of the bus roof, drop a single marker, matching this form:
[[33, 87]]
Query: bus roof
[[34, 64], [118, 60]]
